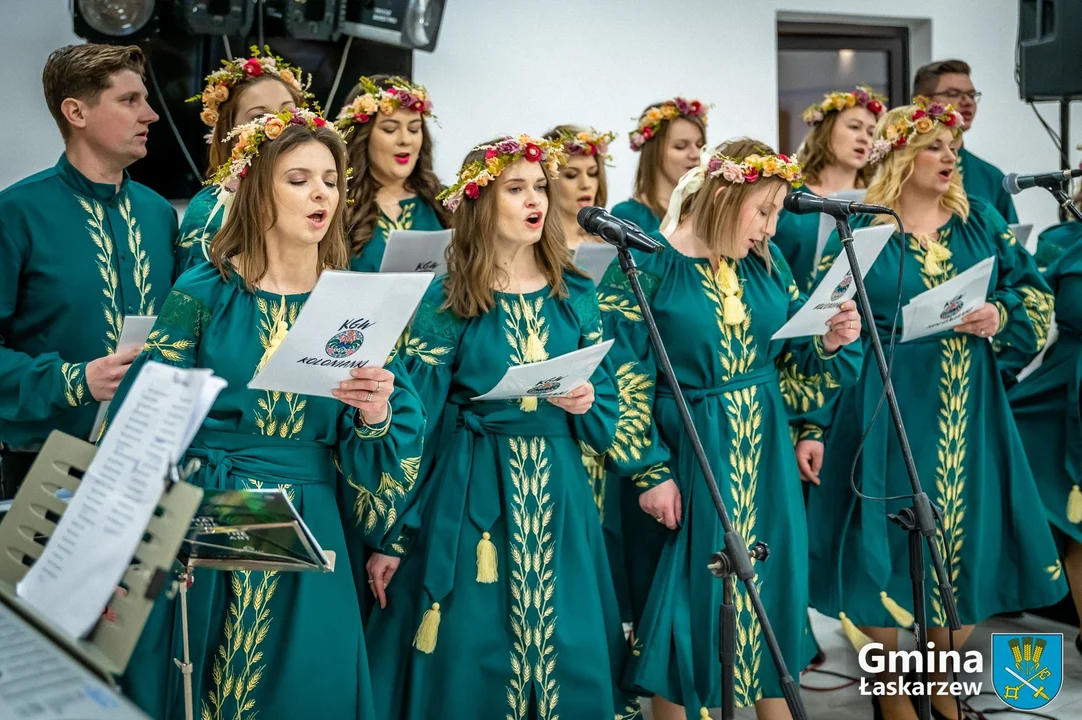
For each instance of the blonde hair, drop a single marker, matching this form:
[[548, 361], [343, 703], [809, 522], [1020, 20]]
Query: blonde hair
[[471, 256], [253, 211], [602, 182], [897, 168], [650, 158], [714, 215], [815, 152]]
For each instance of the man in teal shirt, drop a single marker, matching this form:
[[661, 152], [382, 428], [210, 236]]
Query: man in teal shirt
[[81, 247], [948, 81]]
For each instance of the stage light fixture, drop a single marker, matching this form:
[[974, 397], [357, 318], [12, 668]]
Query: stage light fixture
[[411, 24], [313, 19], [115, 20], [214, 17]]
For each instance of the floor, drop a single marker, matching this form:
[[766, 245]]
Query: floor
[[847, 703]]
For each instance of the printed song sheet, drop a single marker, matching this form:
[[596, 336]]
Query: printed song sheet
[[594, 258], [416, 251], [549, 378], [93, 543], [944, 306], [351, 320], [135, 332]]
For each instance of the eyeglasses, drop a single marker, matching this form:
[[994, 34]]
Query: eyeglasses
[[955, 95]]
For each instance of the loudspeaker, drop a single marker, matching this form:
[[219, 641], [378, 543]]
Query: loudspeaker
[[1049, 49]]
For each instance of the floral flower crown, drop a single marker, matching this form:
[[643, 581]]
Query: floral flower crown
[[715, 164], [397, 93], [498, 156], [926, 117], [651, 120], [590, 143], [221, 81], [250, 136], [754, 166], [863, 96]]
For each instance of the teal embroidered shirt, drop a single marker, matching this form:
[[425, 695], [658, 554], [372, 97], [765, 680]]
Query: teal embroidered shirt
[[75, 257]]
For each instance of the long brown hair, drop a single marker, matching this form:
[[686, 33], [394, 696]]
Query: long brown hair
[[714, 215], [363, 212], [471, 256], [602, 196], [650, 158], [254, 211], [219, 149], [815, 153]]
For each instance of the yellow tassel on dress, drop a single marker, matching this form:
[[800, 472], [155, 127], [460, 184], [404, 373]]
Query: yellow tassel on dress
[[1074, 506], [486, 560], [425, 640], [903, 617], [534, 352], [278, 334], [856, 637], [733, 310], [934, 255], [728, 282]]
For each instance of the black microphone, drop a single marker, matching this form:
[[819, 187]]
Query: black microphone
[[615, 231], [1015, 183], [806, 203]]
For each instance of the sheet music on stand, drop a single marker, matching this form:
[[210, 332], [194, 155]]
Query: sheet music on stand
[[105, 521], [252, 530]]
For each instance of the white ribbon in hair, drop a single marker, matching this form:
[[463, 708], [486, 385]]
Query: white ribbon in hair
[[225, 200], [689, 185]]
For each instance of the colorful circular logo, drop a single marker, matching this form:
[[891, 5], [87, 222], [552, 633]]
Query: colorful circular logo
[[951, 309], [345, 343], [843, 286], [543, 387]]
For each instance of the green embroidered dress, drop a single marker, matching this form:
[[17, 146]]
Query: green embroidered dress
[[738, 383], [796, 237], [984, 180], [268, 644], [75, 257], [538, 635], [634, 211], [1046, 404], [416, 214], [195, 230], [1054, 241], [968, 454]]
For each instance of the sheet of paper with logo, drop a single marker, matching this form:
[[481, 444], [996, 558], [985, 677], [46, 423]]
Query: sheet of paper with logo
[[1022, 233], [135, 332], [944, 306], [828, 224], [837, 285], [93, 543], [594, 258], [549, 378], [351, 320], [416, 251]]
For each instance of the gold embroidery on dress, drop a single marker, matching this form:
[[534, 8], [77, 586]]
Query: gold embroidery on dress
[[73, 383], [140, 258], [404, 221], [801, 392], [633, 392], [526, 331], [533, 582], [251, 591], [272, 419], [171, 350], [1055, 570], [418, 348], [745, 416], [95, 225], [950, 472], [372, 507], [595, 476], [614, 302], [1038, 306]]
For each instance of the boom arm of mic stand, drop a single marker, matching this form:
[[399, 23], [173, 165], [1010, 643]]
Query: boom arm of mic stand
[[736, 549], [1064, 200]]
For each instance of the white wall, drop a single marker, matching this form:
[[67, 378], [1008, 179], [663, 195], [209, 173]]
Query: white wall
[[512, 66]]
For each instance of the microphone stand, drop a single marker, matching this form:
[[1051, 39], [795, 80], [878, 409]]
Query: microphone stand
[[919, 519], [735, 559]]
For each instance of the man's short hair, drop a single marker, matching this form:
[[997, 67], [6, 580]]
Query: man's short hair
[[927, 77], [83, 72]]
